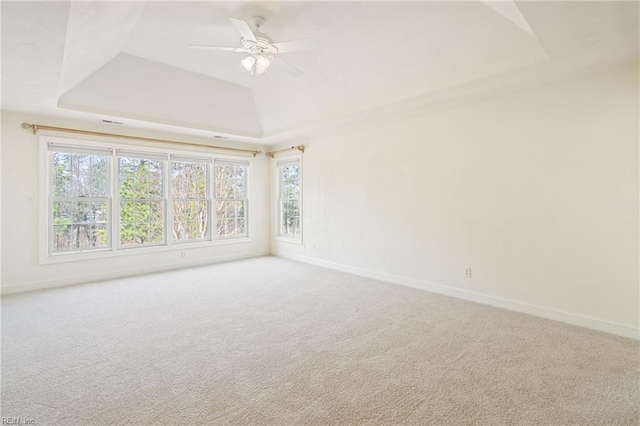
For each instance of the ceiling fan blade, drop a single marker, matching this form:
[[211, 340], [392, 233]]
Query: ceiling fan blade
[[243, 28], [224, 49], [296, 45], [292, 70]]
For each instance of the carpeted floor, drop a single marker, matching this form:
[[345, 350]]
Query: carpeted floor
[[270, 341]]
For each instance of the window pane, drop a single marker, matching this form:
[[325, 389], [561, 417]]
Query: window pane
[[291, 189], [230, 219], [141, 222], [289, 177], [79, 175], [140, 178], [230, 209], [291, 173], [190, 220], [80, 225], [188, 180], [290, 220], [230, 181]]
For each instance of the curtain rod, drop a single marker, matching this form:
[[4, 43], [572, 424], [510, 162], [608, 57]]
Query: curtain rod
[[299, 148], [37, 127]]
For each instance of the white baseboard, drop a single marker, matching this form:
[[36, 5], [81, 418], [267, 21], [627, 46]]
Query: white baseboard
[[512, 305], [62, 282]]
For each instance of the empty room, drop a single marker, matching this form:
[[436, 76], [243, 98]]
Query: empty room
[[320, 213]]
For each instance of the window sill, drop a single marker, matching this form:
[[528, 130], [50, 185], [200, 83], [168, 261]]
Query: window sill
[[290, 240], [133, 251]]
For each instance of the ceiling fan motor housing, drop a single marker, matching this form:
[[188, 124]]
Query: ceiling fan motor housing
[[263, 44]]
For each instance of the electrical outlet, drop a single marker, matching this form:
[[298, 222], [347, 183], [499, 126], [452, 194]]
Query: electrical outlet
[[467, 272]]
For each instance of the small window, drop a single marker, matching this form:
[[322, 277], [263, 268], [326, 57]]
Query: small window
[[289, 199], [79, 201], [142, 201], [190, 198], [230, 181]]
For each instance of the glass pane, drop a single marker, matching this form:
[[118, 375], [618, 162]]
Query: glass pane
[[191, 220], [291, 173], [79, 175], [140, 178], [229, 228], [221, 229], [296, 226], [79, 225], [291, 189], [221, 211], [224, 209], [290, 219], [230, 181], [239, 211], [141, 222], [230, 209], [189, 180]]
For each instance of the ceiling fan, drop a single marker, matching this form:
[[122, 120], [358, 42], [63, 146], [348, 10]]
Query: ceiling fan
[[261, 49]]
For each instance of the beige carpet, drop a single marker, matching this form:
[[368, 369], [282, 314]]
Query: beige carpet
[[270, 341]]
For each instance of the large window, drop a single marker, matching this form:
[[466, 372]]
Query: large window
[[105, 199], [231, 198], [289, 199]]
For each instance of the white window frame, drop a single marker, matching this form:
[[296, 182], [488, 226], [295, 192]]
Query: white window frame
[[115, 250], [246, 199], [279, 162], [51, 198], [208, 161], [118, 200]]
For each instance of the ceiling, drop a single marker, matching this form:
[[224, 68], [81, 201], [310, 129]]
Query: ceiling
[[131, 61]]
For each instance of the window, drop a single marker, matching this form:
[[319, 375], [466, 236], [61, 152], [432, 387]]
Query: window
[[142, 201], [111, 201], [190, 194], [231, 198], [79, 199], [289, 199]]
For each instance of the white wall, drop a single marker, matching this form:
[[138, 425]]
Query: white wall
[[20, 216], [536, 190]]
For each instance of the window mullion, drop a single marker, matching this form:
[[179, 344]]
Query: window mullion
[[213, 214], [168, 203], [115, 201]]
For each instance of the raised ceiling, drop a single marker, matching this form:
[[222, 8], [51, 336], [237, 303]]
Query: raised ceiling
[[132, 61]]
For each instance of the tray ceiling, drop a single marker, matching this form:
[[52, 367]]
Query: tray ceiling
[[132, 60]]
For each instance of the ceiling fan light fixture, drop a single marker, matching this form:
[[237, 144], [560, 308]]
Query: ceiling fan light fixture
[[262, 62], [248, 63]]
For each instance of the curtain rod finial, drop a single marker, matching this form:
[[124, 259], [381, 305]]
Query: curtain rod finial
[[26, 125]]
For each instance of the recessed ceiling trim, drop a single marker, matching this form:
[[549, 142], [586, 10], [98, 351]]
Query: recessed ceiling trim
[[140, 117], [509, 9]]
